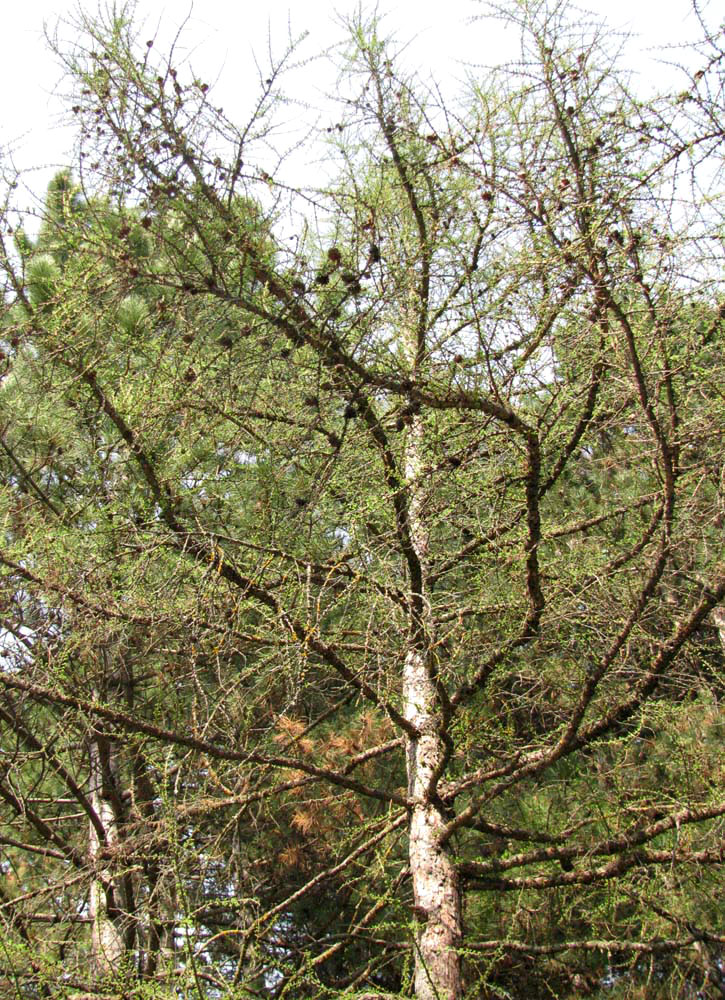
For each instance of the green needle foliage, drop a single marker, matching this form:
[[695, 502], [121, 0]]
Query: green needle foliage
[[362, 593]]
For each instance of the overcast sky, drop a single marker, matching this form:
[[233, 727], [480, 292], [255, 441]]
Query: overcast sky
[[220, 38]]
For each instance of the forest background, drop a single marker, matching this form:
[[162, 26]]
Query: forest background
[[362, 567]]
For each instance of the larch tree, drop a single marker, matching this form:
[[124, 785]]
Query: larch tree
[[362, 554]]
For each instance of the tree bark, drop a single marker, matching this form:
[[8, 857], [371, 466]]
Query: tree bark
[[107, 943], [718, 616], [436, 889], [107, 896]]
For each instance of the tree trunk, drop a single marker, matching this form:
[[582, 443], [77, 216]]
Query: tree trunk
[[158, 934], [435, 882], [107, 943], [718, 616], [110, 895], [436, 889]]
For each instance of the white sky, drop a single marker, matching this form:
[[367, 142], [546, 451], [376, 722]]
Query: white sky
[[221, 36]]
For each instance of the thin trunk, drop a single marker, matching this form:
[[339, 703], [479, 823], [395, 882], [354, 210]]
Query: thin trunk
[[436, 888], [718, 616], [111, 894], [107, 943], [160, 907]]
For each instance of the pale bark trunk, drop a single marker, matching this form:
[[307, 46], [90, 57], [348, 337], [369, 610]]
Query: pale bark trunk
[[107, 896], [436, 889], [718, 616], [435, 884], [107, 944]]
